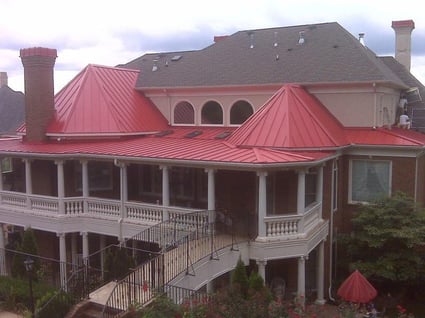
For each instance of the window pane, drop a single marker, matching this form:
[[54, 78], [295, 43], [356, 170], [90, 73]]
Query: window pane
[[212, 113], [184, 114], [370, 180], [240, 112]]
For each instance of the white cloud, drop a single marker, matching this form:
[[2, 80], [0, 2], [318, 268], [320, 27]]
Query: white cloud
[[113, 32]]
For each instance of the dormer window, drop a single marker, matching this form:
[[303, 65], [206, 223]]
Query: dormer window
[[184, 113], [240, 111], [212, 114]]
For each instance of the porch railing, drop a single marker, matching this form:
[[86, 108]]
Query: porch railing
[[177, 255], [97, 207], [293, 225]]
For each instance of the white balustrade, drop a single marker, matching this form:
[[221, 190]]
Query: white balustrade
[[44, 204], [280, 226], [74, 206], [104, 207], [144, 212], [14, 199]]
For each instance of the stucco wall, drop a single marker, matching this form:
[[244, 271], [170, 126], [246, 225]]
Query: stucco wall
[[362, 105]]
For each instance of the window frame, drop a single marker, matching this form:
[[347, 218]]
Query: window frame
[[350, 185]]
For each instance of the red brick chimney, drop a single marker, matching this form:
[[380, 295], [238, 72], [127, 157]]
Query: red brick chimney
[[38, 65], [403, 30]]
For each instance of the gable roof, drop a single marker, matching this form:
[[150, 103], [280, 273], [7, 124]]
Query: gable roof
[[12, 109], [291, 118], [329, 54], [102, 101]]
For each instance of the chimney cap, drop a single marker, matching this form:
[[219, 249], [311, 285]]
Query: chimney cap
[[403, 24], [38, 51]]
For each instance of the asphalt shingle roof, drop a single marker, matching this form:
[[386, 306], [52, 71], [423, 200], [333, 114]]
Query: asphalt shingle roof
[[12, 109], [329, 54]]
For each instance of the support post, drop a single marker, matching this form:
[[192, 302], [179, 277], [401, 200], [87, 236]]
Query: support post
[[28, 181], [165, 191], [211, 195], [262, 203], [301, 279], [61, 186], [261, 264], [320, 275], [62, 259], [319, 188], [85, 184], [3, 270]]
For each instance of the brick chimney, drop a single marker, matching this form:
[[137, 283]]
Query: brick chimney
[[38, 65], [403, 30], [3, 79]]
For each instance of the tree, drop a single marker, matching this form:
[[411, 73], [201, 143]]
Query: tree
[[28, 245], [386, 240]]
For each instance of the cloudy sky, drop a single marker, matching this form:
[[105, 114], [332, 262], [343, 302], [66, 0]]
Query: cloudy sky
[[112, 32]]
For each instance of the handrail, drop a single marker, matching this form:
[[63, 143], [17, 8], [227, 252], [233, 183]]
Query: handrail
[[151, 276]]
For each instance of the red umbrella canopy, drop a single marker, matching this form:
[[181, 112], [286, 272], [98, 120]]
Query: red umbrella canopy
[[357, 289]]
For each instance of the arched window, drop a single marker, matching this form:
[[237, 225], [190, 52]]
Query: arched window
[[212, 114], [184, 113], [240, 111]]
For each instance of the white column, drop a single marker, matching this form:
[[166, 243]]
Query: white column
[[85, 183], [102, 245], [261, 264], [320, 275], [1, 175], [74, 252], [28, 181], [61, 186], [62, 259], [319, 187], [165, 191], [123, 187], [28, 177], [262, 203], [301, 277], [85, 239], [211, 194], [301, 192], [210, 287], [3, 271]]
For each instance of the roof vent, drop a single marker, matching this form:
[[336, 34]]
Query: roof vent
[[275, 40], [251, 39], [175, 58], [193, 134], [223, 135], [155, 66], [301, 40], [361, 39]]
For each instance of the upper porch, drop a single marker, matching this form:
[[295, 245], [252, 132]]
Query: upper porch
[[122, 198]]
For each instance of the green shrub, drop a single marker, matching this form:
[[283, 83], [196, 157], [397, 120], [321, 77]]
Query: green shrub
[[59, 303]]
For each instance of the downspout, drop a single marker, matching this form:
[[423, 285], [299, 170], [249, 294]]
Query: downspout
[[331, 233], [374, 105]]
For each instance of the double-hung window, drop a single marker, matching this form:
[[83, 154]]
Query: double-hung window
[[370, 180]]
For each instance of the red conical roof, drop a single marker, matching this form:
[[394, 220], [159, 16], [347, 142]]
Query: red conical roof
[[291, 118], [102, 100]]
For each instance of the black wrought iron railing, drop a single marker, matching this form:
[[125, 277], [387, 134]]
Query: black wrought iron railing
[[182, 241]]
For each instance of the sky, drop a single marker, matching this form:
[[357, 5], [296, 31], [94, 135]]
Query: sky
[[109, 32]]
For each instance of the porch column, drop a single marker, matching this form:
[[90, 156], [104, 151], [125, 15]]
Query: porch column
[[123, 188], [319, 188], [301, 278], [165, 191], [85, 239], [28, 181], [262, 203], [61, 186], [1, 175], [320, 275], [62, 259], [301, 192], [85, 184], [210, 287], [261, 264], [102, 253], [74, 258], [211, 194], [3, 271]]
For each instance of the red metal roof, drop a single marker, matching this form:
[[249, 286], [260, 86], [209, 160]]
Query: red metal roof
[[385, 137], [291, 118], [174, 146], [102, 100]]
